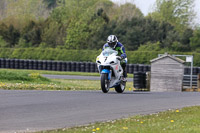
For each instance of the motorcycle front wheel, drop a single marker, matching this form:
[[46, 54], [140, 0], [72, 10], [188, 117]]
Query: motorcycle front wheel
[[104, 82], [120, 88]]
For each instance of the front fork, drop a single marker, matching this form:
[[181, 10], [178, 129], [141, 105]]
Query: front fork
[[108, 72]]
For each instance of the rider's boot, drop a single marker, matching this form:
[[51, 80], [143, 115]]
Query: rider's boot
[[124, 73], [123, 79]]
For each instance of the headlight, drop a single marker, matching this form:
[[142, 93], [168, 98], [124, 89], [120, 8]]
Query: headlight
[[99, 62]]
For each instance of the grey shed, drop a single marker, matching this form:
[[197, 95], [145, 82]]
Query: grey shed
[[166, 74]]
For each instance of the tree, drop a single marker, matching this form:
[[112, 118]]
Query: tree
[[19, 12], [128, 11], [84, 23], [99, 36], [23, 44], [77, 35], [50, 3], [185, 37], [12, 36], [179, 13], [195, 40], [53, 33], [150, 47], [3, 43], [32, 33]]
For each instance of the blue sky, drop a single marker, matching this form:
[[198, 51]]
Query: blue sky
[[147, 5]]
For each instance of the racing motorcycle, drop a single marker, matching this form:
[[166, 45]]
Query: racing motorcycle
[[111, 72]]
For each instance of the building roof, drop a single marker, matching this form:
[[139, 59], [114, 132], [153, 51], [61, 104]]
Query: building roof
[[168, 55]]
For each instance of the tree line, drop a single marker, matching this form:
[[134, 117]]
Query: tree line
[[85, 24]]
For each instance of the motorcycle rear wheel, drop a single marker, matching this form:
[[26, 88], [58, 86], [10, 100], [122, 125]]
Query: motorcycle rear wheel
[[120, 88], [104, 83]]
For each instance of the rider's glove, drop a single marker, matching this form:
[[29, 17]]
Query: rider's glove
[[122, 56]]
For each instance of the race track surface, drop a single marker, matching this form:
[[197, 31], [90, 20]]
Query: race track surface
[[28, 111]]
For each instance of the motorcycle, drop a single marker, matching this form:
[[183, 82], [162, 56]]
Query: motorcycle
[[111, 72]]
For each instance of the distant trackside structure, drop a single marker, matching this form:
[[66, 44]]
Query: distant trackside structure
[[166, 74]]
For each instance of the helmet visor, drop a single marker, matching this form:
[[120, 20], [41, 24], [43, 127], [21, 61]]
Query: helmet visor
[[112, 45]]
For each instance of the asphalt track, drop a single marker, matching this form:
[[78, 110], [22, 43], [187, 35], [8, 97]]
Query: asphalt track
[[77, 77], [29, 111]]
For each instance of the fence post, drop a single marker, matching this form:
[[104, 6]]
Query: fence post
[[198, 83], [148, 80]]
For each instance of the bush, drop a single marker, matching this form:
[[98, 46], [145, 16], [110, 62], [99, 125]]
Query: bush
[[134, 57], [3, 43], [21, 76]]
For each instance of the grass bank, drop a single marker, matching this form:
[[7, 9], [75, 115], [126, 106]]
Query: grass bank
[[57, 84], [186, 120], [22, 76], [32, 80], [57, 72]]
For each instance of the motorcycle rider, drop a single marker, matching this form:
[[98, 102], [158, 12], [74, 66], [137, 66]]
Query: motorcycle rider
[[112, 42]]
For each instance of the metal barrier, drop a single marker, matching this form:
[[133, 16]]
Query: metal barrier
[[186, 81]]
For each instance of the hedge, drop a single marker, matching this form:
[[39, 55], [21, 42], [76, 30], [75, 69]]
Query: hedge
[[134, 57]]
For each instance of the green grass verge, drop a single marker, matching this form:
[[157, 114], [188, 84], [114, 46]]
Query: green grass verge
[[186, 120], [57, 72], [32, 80], [57, 84], [85, 84], [19, 76]]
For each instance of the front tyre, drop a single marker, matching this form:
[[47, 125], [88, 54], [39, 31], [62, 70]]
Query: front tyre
[[120, 88], [104, 82]]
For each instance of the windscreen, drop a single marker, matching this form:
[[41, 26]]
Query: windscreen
[[107, 52]]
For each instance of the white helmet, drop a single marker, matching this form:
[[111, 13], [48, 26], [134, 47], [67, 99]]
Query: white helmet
[[112, 41]]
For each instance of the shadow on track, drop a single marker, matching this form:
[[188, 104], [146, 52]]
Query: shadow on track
[[124, 93]]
